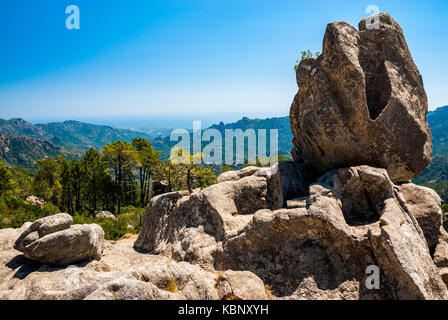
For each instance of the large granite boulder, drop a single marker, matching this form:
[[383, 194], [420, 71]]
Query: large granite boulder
[[52, 241], [362, 102], [352, 218]]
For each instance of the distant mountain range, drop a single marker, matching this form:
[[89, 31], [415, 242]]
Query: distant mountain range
[[438, 122], [71, 138], [164, 144], [21, 142], [70, 134], [436, 174]]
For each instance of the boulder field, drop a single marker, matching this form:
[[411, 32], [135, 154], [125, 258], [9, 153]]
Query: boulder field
[[244, 238]]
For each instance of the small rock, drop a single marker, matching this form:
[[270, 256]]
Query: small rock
[[241, 285], [52, 241], [104, 214], [35, 201], [41, 228]]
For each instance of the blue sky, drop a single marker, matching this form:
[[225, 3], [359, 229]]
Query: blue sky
[[222, 59]]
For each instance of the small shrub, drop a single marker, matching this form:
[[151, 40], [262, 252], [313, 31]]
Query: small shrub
[[171, 286], [50, 209], [268, 291], [305, 55], [14, 212], [219, 279], [113, 229]]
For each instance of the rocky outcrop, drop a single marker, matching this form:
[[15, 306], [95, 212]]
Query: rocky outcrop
[[362, 102], [121, 274], [349, 219], [193, 227], [52, 241], [425, 205], [209, 245]]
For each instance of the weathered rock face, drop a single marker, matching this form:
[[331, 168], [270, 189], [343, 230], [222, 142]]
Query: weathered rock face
[[245, 239], [425, 205], [319, 249], [362, 102], [193, 228], [122, 274], [52, 241]]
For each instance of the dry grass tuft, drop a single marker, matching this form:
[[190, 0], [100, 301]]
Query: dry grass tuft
[[171, 285], [219, 279], [268, 291]]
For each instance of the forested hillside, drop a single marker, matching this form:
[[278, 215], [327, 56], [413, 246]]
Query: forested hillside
[[438, 122], [121, 178], [70, 134], [279, 123], [23, 151]]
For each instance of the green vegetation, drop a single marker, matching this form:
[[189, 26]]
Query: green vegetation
[[129, 222], [7, 183], [435, 176], [23, 151], [14, 212], [189, 162], [149, 161], [118, 179], [305, 55], [225, 168], [71, 134]]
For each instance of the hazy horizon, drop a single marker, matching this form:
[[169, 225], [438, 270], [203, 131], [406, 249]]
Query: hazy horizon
[[158, 121]]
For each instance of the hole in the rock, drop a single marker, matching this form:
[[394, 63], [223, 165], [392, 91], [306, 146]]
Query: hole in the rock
[[360, 214], [378, 87], [357, 206]]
